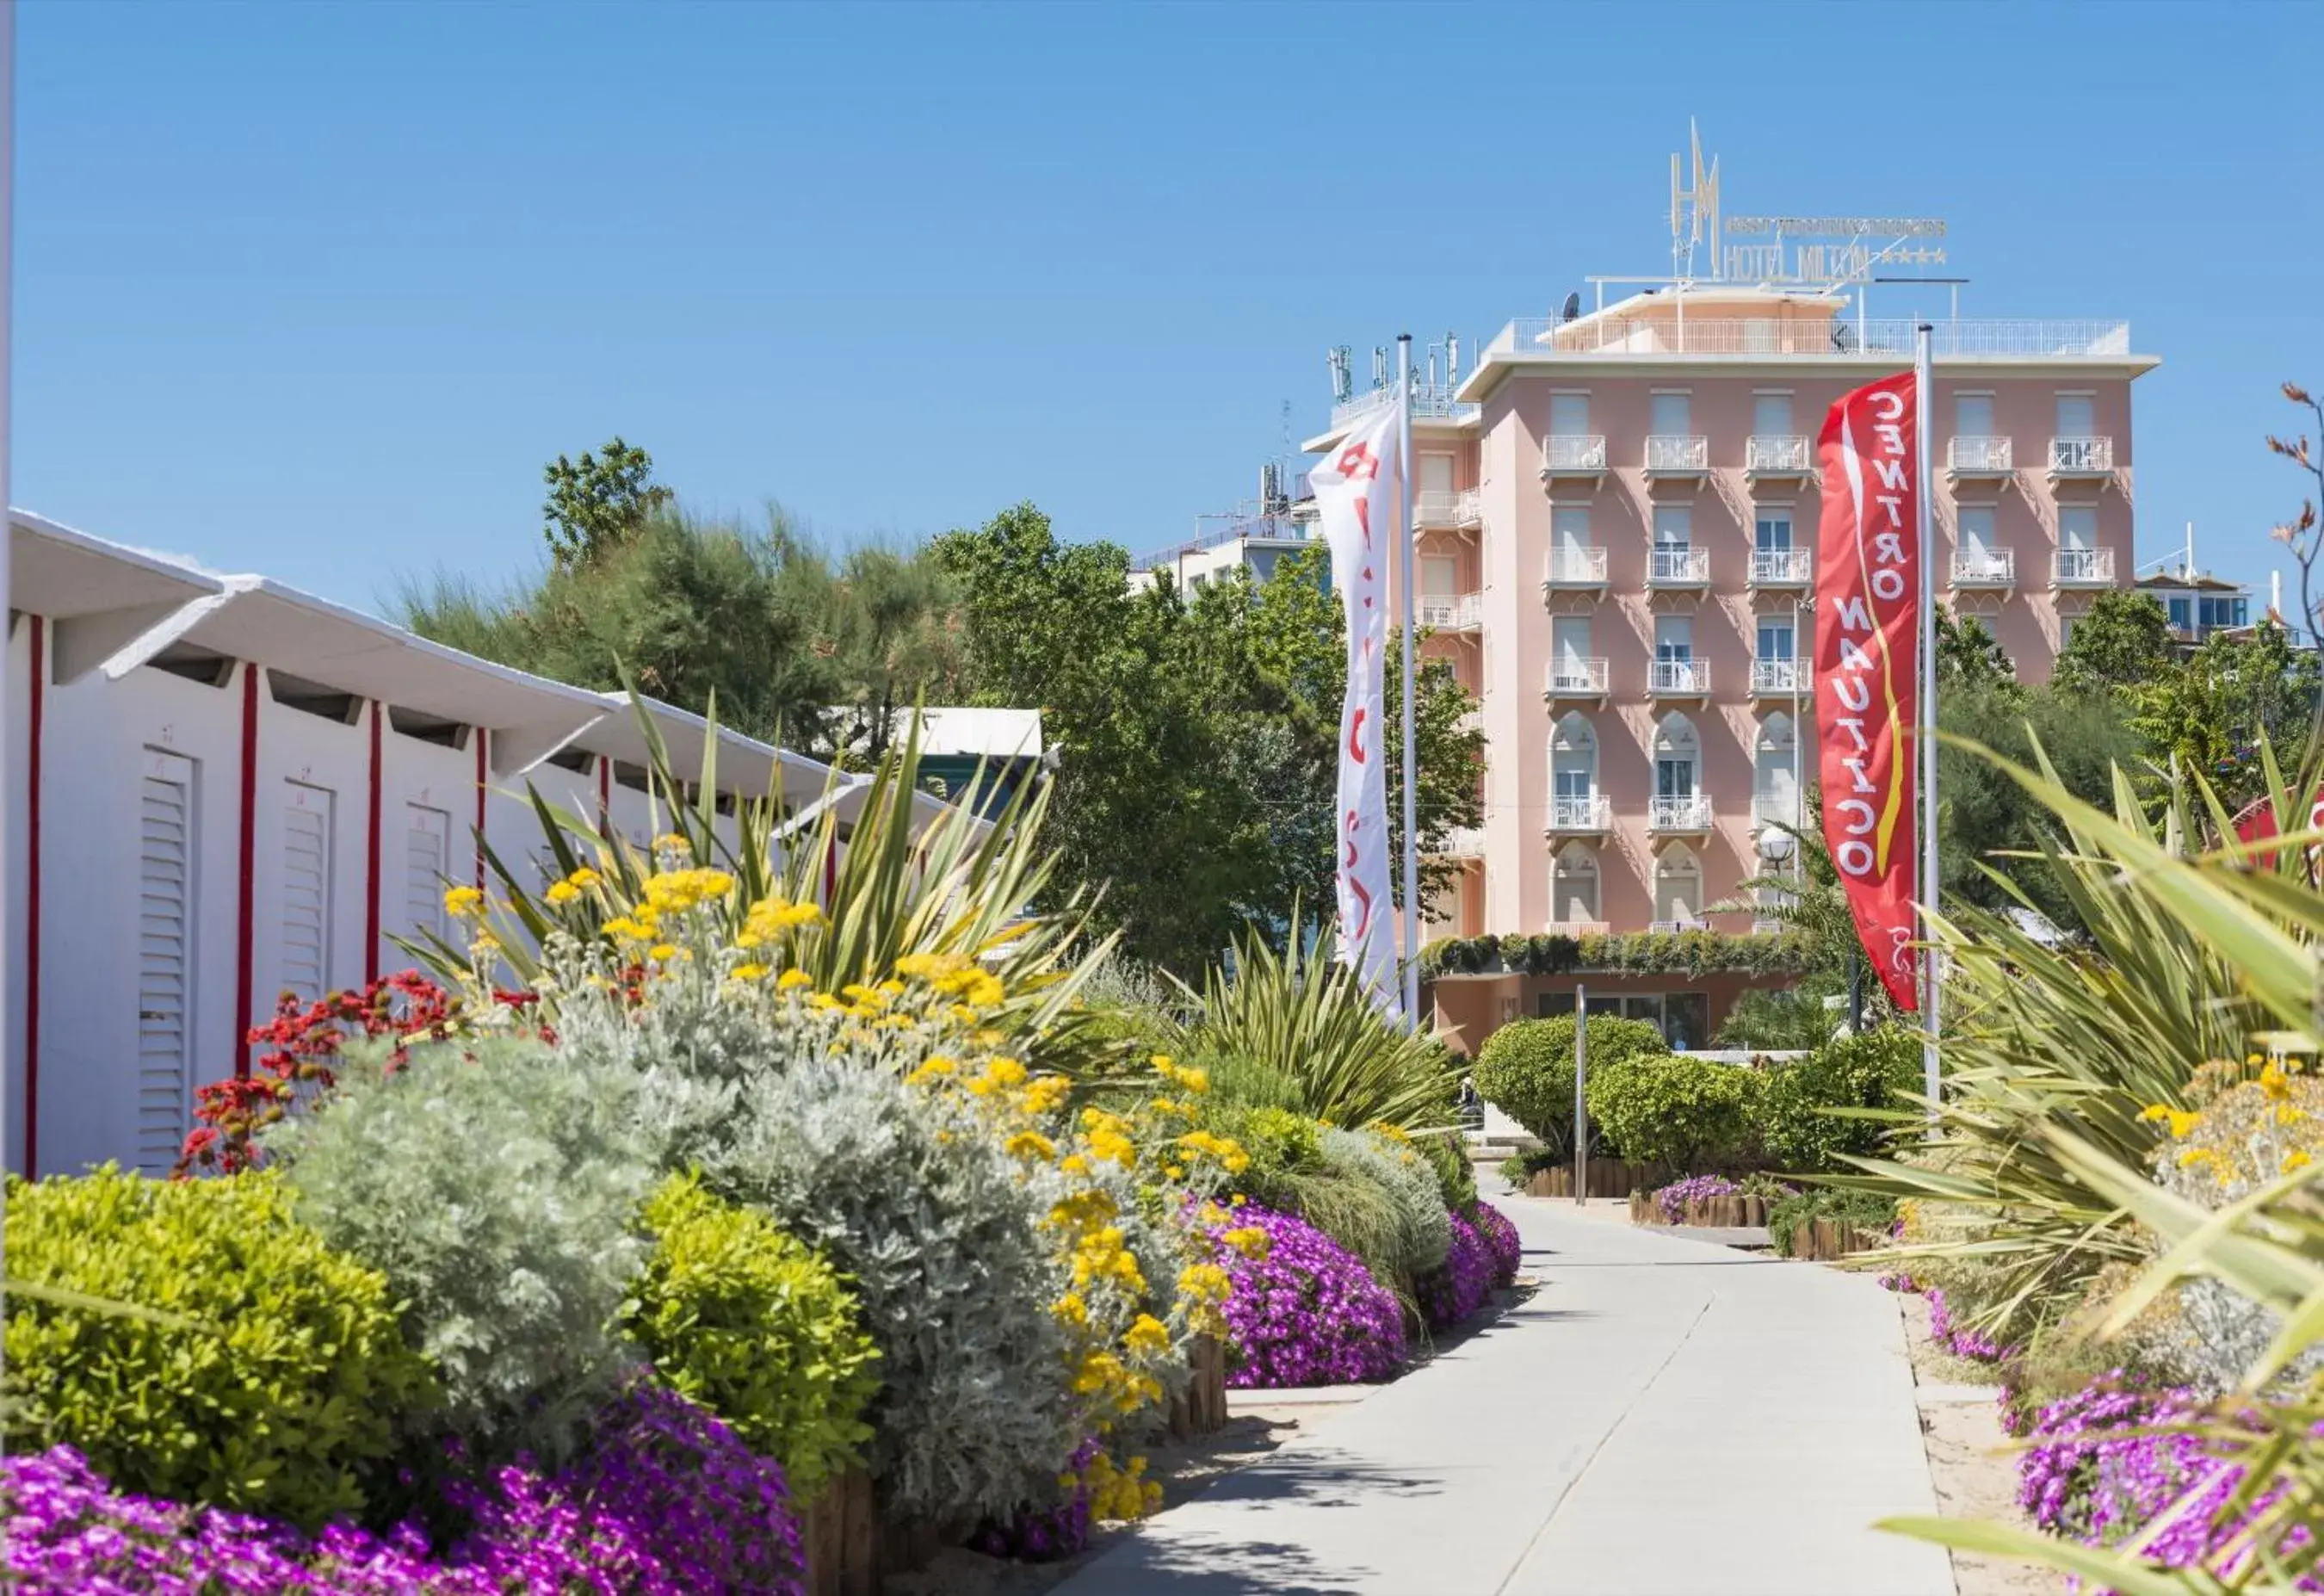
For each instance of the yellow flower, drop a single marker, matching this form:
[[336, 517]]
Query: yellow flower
[[583, 879], [1030, 1146], [1005, 1073], [628, 930], [1074, 1163], [1225, 1149], [485, 943], [1196, 1080], [461, 902], [1204, 1282], [1248, 1240], [1147, 1337], [792, 980], [750, 972], [562, 892], [662, 951], [1070, 1309], [670, 842], [1047, 1094]]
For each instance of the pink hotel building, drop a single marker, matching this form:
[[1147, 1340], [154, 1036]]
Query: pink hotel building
[[1615, 521]]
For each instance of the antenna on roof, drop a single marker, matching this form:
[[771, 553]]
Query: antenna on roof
[[1379, 365], [1572, 312], [1453, 360], [1344, 380]]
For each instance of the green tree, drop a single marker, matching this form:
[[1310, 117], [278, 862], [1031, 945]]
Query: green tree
[[598, 502], [2122, 644], [2209, 715], [1969, 656]]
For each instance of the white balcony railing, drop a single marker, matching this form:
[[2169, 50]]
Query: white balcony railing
[[1576, 565], [1767, 928], [1452, 612], [1658, 332], [1593, 812], [1678, 567], [1985, 568], [1977, 456], [1576, 677], [2081, 456], [1678, 452], [1446, 507], [1672, 927], [1775, 808], [1572, 452], [1679, 813], [1428, 404], [1782, 568], [1686, 679], [1466, 842], [2085, 567], [1775, 455], [1579, 928], [1779, 676]]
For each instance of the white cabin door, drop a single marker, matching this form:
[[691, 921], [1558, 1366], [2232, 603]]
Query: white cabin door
[[165, 922]]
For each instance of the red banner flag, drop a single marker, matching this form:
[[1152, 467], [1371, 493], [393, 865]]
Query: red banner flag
[[1868, 664]]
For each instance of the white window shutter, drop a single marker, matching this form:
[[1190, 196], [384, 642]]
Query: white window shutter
[[165, 887]]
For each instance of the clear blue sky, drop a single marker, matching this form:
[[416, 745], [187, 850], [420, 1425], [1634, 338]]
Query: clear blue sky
[[315, 290]]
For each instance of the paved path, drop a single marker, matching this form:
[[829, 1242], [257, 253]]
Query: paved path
[[1662, 1418]]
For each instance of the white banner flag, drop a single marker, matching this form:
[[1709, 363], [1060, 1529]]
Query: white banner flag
[[1355, 494]]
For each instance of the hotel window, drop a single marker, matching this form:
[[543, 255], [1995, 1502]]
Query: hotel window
[[2078, 526], [1674, 640], [2181, 612], [1568, 649], [1568, 415], [1771, 415], [1569, 526], [2225, 612], [1771, 531], [1973, 415], [1673, 415], [1976, 534], [1440, 576], [2077, 416], [1775, 639], [1436, 473], [1574, 887], [1674, 526]]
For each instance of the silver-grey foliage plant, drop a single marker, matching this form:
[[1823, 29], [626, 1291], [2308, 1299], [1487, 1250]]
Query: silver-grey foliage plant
[[1424, 1227], [496, 1186]]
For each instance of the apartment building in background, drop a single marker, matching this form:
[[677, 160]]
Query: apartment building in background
[[1615, 516]]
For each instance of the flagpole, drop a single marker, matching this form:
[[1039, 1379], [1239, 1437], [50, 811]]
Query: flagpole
[[1923, 404], [1411, 763]]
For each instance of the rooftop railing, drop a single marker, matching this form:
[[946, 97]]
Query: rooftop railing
[[1662, 332]]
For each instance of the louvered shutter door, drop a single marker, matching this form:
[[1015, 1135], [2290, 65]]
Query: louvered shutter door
[[426, 847], [165, 887], [307, 814]]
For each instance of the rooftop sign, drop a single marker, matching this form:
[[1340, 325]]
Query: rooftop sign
[[1819, 252]]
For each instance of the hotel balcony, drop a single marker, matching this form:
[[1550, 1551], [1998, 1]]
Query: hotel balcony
[[2083, 459], [1769, 809], [1451, 612], [1978, 459], [1578, 928], [1581, 455], [1679, 679], [1679, 816], [1771, 458], [1678, 455], [1466, 842], [1779, 678], [1782, 568], [1984, 569], [1769, 927], [2083, 568], [1678, 568], [1437, 508], [1573, 569], [1672, 927], [1575, 680], [1580, 817]]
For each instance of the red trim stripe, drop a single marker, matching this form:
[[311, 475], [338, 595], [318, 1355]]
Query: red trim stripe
[[482, 737], [606, 795], [32, 903], [246, 962], [371, 863]]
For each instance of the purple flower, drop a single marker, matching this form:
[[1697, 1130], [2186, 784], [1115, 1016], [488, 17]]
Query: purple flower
[[1500, 1239], [1450, 1295], [1673, 1199], [1308, 1313], [1035, 1534]]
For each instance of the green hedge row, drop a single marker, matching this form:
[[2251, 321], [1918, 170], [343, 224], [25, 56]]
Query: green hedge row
[[1659, 953]]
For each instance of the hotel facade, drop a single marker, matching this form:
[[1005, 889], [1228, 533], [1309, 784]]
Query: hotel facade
[[1614, 517]]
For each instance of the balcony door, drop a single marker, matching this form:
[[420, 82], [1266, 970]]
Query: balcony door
[[1673, 415], [1678, 886], [1977, 554], [1436, 475], [1771, 416], [1973, 415], [1674, 527], [1674, 644], [1568, 649], [1771, 531], [1568, 415], [1776, 639], [1676, 754], [1775, 776], [2077, 416], [1574, 885], [1573, 769], [1440, 576]]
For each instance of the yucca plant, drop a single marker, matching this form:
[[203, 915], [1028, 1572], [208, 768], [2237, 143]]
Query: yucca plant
[[2084, 1037], [1307, 1017], [955, 886]]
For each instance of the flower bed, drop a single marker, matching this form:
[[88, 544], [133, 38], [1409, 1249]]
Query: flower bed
[[1460, 1288], [1301, 1309]]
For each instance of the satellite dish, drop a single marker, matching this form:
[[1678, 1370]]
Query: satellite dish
[[1573, 310]]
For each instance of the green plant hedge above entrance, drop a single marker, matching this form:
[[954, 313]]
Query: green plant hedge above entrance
[[1631, 953]]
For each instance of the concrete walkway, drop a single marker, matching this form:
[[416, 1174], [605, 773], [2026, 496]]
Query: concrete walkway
[[1662, 1418]]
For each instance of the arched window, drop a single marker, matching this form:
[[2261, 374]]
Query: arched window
[[1573, 884], [1678, 887], [1678, 758], [1776, 775], [1574, 773]]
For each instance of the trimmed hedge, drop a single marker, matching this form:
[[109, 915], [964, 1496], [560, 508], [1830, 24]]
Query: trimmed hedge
[[1677, 1111], [1870, 1070], [1631, 953], [276, 1381], [1526, 1068]]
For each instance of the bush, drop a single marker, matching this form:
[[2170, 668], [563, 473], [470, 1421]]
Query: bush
[[1499, 1234], [1424, 1227], [277, 1385], [1303, 1311], [751, 1325], [1453, 1293], [497, 1184], [1871, 1070], [1676, 1110], [1525, 1069], [1866, 1211]]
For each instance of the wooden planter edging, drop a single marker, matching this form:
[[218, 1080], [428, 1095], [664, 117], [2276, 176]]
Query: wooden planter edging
[[1200, 1409], [1736, 1212], [1823, 1240], [1609, 1177]]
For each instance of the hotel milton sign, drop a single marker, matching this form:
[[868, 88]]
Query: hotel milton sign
[[1804, 251]]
